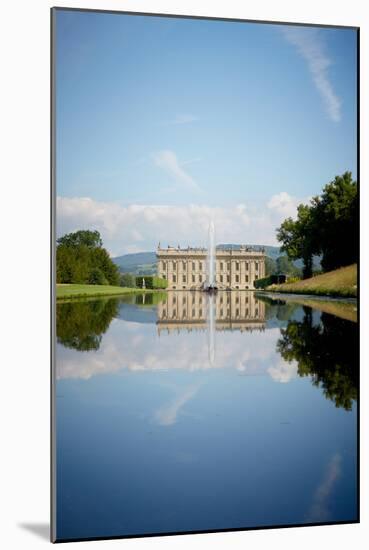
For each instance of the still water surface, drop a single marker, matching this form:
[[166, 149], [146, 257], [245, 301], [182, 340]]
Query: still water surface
[[184, 412]]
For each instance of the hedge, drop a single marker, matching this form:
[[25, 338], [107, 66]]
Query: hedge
[[263, 283], [151, 282], [273, 279]]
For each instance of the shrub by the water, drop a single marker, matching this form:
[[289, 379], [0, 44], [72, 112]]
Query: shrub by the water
[[272, 279], [263, 283], [151, 282]]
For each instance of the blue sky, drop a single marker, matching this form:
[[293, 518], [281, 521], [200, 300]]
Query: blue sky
[[164, 123]]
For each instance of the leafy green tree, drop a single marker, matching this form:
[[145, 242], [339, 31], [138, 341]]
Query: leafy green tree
[[327, 227], [299, 239], [96, 277], [82, 266], [270, 266], [336, 219], [101, 259], [65, 264], [128, 280], [285, 265], [80, 258], [91, 239]]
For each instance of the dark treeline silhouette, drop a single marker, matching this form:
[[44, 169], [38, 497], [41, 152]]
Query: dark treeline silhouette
[[80, 325], [327, 351], [328, 227]]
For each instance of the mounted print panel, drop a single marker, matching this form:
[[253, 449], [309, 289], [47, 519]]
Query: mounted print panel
[[205, 370]]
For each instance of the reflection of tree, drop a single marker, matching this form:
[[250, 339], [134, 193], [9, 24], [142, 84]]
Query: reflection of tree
[[277, 307], [284, 312], [327, 351], [150, 299], [80, 325]]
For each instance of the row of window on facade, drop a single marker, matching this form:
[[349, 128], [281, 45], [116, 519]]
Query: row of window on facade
[[221, 300], [198, 315], [222, 265], [219, 278], [184, 278], [184, 301]]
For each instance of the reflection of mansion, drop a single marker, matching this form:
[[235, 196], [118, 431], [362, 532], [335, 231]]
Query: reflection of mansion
[[233, 310], [185, 269]]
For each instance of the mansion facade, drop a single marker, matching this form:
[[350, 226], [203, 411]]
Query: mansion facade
[[186, 269]]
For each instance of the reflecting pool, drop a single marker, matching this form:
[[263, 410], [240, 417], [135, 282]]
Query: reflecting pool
[[183, 412]]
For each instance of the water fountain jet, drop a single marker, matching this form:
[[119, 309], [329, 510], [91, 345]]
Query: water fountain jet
[[211, 281]]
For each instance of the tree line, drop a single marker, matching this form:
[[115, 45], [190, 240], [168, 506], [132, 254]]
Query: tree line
[[327, 227], [81, 259]]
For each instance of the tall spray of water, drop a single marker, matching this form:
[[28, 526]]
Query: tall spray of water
[[211, 255]]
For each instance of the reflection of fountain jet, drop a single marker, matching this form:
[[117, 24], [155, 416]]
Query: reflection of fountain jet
[[210, 285], [211, 328]]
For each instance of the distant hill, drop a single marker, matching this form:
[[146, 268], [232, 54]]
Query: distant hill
[[139, 263], [138, 258]]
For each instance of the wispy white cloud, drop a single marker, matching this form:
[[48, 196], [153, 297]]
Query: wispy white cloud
[[191, 161], [139, 227], [319, 510], [167, 161], [282, 371], [167, 414], [183, 118], [311, 47]]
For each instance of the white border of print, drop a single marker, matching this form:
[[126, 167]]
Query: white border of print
[[25, 269]]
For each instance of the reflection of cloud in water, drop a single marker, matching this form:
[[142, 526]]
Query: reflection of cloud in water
[[136, 347], [319, 510], [283, 372], [167, 415]]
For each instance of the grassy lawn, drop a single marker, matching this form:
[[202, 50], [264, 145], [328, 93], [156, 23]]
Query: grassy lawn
[[341, 282], [66, 292]]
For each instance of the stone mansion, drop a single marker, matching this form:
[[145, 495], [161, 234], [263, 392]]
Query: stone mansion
[[186, 268]]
